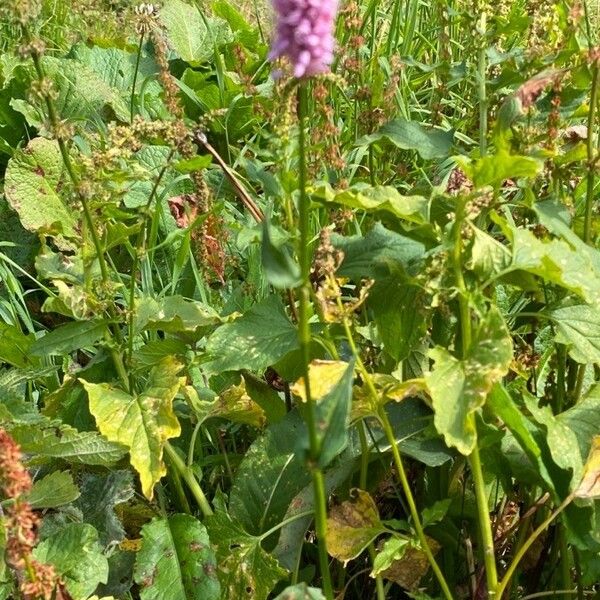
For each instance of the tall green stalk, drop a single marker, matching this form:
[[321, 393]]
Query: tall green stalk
[[398, 463], [483, 515], [481, 82], [304, 339]]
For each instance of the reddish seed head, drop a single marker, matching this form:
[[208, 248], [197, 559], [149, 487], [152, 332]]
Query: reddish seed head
[[304, 34]]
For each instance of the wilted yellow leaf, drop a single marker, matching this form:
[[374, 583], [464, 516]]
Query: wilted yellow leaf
[[352, 526], [143, 422], [323, 375], [590, 482]]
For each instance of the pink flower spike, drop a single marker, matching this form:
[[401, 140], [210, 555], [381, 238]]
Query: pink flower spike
[[305, 35]]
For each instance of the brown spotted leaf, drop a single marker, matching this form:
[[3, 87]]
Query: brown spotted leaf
[[352, 526], [411, 566], [176, 561]]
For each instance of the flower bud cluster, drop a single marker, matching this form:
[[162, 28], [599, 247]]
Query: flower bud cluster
[[304, 34]]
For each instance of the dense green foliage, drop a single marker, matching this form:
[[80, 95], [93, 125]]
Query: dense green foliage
[[263, 338]]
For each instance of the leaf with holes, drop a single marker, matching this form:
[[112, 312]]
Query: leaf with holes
[[246, 571], [77, 557]]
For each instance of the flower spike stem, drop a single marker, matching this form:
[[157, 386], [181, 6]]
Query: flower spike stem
[[304, 338]]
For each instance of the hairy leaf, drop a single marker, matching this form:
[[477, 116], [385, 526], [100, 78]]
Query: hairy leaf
[[414, 209], [410, 135], [53, 490], [77, 557]]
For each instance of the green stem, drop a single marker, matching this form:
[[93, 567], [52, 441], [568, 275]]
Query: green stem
[[481, 80], [64, 151], [188, 476], [364, 465], [135, 75], [589, 197], [483, 515], [304, 339], [525, 547], [391, 438], [140, 247], [485, 524]]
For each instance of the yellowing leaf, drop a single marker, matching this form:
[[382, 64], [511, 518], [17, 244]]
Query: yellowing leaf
[[144, 422], [352, 526], [411, 566], [389, 390], [323, 375], [233, 404], [590, 483]]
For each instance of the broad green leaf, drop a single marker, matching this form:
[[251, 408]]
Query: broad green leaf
[[589, 487], [378, 254], [245, 570], [352, 526], [100, 495], [400, 314], [174, 314], [393, 550], [254, 341], [301, 592], [578, 327], [150, 161], [332, 383], [561, 439], [460, 387], [77, 557], [412, 424], [176, 561], [143, 423], [69, 338], [557, 262], [155, 351], [434, 514], [270, 475], [323, 375], [389, 389], [192, 35], [503, 406], [583, 419], [488, 256], [23, 245], [292, 535], [494, 169], [32, 180], [47, 438], [54, 490], [410, 135], [414, 209], [408, 570], [280, 268], [81, 94], [15, 346]]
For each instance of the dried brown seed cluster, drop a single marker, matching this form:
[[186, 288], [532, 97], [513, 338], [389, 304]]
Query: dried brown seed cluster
[[36, 580]]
